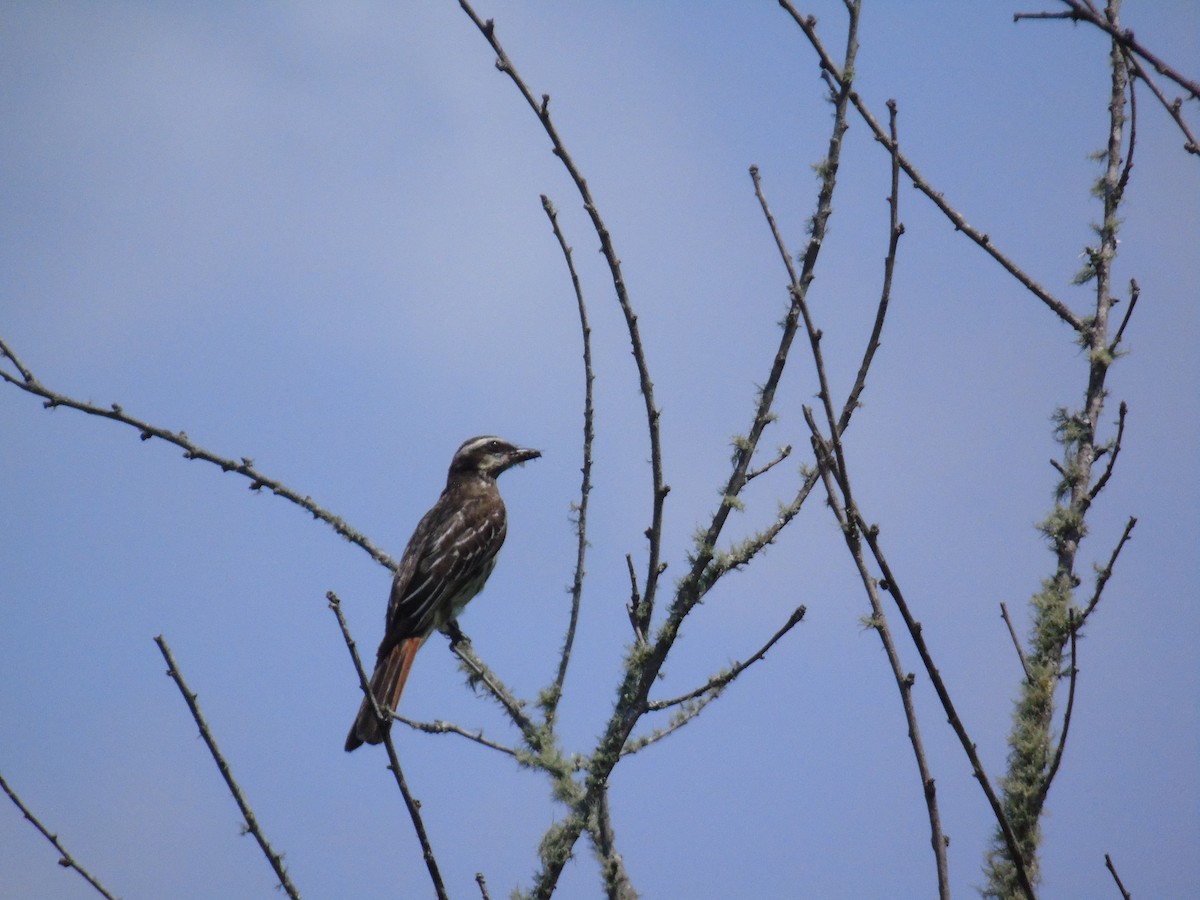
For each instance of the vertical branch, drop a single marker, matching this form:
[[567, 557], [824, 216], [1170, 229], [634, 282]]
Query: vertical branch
[[411, 803], [1031, 761], [550, 702], [645, 660], [65, 859], [274, 858]]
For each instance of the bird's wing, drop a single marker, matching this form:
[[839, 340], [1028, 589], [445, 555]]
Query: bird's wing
[[451, 552]]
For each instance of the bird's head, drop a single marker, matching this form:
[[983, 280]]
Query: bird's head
[[488, 455]]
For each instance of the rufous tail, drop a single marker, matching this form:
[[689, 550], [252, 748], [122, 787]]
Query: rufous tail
[[387, 684]]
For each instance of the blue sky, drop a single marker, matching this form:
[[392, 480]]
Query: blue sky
[[311, 234]]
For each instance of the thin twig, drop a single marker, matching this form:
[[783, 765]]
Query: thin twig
[[1113, 452], [1127, 168], [879, 621], [1060, 309], [679, 718], [1105, 574], [784, 453], [252, 826], [1094, 17], [1016, 640], [633, 607], [721, 680], [441, 727], [191, 450], [411, 803], [1108, 864], [1134, 293], [1019, 16], [483, 891], [827, 452], [65, 859], [1174, 108], [1124, 37], [895, 230], [915, 632], [585, 487], [660, 489]]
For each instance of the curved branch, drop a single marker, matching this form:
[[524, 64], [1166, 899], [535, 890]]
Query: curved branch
[[542, 110], [585, 487], [191, 450]]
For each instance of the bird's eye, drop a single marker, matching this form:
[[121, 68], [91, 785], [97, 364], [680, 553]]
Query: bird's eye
[[494, 446]]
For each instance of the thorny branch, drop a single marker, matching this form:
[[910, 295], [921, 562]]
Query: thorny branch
[[191, 450], [252, 826], [65, 859]]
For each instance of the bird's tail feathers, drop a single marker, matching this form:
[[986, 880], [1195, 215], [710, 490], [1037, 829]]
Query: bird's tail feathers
[[387, 684]]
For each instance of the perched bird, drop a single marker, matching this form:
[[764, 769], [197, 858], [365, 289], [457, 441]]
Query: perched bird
[[448, 559]]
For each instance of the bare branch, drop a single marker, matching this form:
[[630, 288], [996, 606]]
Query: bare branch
[[585, 487], [633, 607], [65, 859], [871, 534], [879, 621], [1016, 640], [1113, 452], [1017, 17], [721, 680], [411, 803], [479, 673], [1093, 16], [274, 858], [1060, 309], [1108, 864], [1134, 293], [441, 727], [542, 110], [895, 230], [1105, 574], [483, 891], [1174, 107], [784, 453], [617, 883], [244, 467], [1124, 37]]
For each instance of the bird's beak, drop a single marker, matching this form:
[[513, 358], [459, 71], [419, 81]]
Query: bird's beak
[[522, 455]]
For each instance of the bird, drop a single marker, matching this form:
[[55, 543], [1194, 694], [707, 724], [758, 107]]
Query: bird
[[447, 561]]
